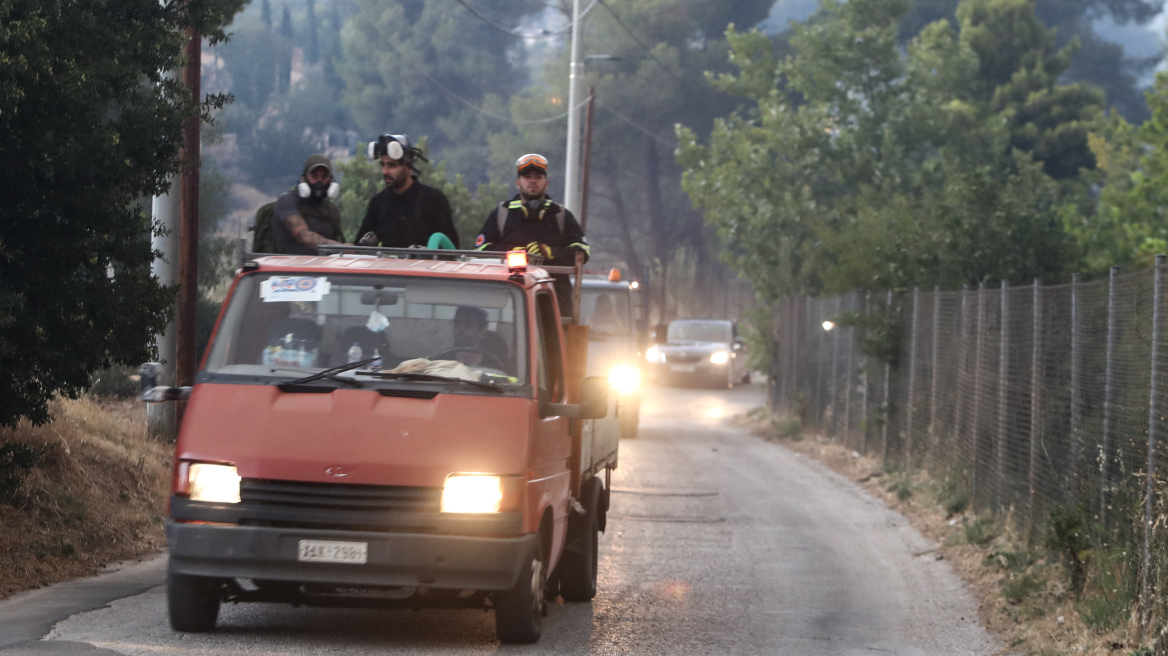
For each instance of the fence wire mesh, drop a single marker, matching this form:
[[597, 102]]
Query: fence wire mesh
[[1035, 398]]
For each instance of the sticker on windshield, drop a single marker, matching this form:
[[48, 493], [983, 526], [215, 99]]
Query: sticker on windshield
[[293, 288]]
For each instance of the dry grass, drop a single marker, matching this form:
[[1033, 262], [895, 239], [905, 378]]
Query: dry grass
[[1024, 593], [95, 495]]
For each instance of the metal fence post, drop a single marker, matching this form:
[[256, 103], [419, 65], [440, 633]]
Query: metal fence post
[[848, 369], [887, 384], [1003, 385], [962, 371], [866, 388], [912, 380], [1035, 406], [1108, 399], [817, 326], [1076, 390], [1153, 423], [834, 395], [930, 447], [979, 327]]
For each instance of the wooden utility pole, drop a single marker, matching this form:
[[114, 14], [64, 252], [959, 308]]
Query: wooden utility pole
[[587, 160], [188, 254]]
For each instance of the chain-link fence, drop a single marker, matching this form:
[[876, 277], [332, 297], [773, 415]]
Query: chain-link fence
[[1035, 398]]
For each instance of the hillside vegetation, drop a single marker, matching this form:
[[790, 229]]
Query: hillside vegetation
[[86, 489]]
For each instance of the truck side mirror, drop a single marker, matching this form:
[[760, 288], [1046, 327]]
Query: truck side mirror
[[151, 392], [593, 402], [661, 333], [594, 398]]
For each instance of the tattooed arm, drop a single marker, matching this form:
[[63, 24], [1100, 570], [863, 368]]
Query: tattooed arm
[[300, 232]]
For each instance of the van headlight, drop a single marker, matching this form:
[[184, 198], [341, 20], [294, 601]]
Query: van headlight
[[719, 357], [472, 493], [654, 354], [625, 379], [214, 483]]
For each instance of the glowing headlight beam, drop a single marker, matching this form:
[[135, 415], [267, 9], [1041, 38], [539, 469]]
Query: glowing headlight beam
[[214, 483], [653, 354], [625, 379], [719, 357], [472, 493]]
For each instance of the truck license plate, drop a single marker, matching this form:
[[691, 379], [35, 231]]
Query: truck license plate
[[325, 551], [682, 368]]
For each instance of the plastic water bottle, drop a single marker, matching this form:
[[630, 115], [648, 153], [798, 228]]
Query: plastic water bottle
[[354, 352], [376, 364]]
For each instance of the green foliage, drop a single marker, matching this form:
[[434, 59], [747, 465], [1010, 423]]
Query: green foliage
[[980, 531], [902, 486], [16, 458], [862, 166], [1068, 537], [1111, 591], [86, 111], [759, 334], [953, 492], [113, 382]]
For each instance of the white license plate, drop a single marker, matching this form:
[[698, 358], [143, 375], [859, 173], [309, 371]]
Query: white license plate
[[326, 551], [683, 368]]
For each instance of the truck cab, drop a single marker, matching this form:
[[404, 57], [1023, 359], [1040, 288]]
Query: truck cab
[[391, 430]]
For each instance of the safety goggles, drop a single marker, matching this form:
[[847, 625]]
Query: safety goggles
[[531, 160]]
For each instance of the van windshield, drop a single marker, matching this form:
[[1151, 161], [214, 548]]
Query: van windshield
[[290, 325], [606, 311], [699, 331]]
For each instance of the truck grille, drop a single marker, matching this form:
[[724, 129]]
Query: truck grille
[[683, 356], [257, 493]]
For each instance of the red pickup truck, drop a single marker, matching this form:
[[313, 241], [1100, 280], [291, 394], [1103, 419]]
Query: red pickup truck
[[391, 430]]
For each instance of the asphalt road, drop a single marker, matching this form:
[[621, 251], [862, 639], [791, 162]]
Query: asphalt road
[[717, 543]]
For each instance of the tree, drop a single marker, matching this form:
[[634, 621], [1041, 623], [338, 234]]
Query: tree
[[86, 110], [312, 43], [414, 67], [860, 166]]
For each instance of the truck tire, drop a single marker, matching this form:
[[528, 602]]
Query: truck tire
[[192, 602], [519, 611], [578, 565], [630, 417]]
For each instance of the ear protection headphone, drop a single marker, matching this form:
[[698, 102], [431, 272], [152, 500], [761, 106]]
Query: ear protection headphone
[[396, 146], [305, 191]]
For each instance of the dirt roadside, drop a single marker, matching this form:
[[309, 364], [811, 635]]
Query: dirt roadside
[[83, 491], [1023, 593]]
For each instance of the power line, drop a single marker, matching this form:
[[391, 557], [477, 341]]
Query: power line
[[633, 123], [546, 34], [498, 116], [646, 48]]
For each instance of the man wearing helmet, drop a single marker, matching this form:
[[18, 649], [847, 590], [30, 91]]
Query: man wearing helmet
[[406, 213], [306, 216], [532, 221]]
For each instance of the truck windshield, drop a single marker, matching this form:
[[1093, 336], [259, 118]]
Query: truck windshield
[[606, 311], [289, 325], [699, 331]]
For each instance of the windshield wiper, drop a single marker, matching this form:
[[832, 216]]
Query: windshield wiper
[[330, 373], [431, 378]]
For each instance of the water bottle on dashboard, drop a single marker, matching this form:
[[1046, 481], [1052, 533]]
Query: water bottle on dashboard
[[354, 352]]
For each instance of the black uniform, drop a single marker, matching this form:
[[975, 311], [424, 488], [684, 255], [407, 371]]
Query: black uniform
[[409, 218], [525, 225], [538, 222], [322, 216]]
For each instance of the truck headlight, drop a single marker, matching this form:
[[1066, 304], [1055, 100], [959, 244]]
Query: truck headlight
[[215, 483], [472, 493], [654, 354], [719, 357], [625, 379]]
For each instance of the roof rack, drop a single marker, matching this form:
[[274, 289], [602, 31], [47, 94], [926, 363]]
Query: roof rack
[[414, 254]]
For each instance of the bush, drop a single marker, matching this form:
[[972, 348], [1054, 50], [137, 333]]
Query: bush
[[113, 382], [15, 461]]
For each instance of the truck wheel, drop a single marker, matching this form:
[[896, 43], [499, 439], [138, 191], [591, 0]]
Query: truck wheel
[[519, 611], [193, 602], [579, 563], [629, 418]]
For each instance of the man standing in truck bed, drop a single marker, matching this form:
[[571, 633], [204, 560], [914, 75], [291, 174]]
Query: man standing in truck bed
[[406, 213], [532, 221]]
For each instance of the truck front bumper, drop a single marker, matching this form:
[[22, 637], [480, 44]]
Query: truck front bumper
[[456, 562]]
